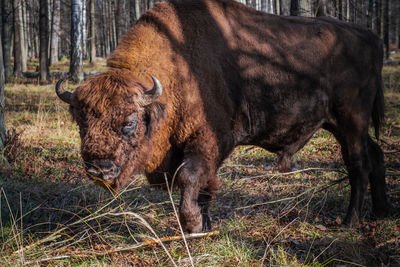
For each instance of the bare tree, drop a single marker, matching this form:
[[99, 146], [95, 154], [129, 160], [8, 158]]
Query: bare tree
[[397, 24], [92, 33], [385, 22], [84, 31], [285, 7], [278, 7], [19, 46], [300, 8], [44, 40], [76, 64], [55, 31], [7, 33], [3, 128], [137, 9], [122, 22], [24, 30]]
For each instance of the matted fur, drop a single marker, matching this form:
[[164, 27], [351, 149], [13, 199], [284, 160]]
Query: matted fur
[[231, 76]]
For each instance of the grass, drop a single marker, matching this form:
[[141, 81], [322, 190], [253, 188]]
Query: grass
[[51, 215]]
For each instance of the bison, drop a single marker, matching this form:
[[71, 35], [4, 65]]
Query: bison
[[191, 80]]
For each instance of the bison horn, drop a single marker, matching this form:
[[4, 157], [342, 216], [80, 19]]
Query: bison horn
[[62, 94], [156, 91]]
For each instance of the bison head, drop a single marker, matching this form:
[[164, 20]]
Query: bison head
[[115, 114]]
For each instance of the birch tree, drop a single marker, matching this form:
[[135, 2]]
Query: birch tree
[[55, 31], [19, 46], [76, 64]]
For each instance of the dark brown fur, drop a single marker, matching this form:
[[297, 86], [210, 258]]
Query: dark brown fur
[[233, 76]]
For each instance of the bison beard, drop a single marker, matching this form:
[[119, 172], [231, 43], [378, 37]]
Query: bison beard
[[230, 76]]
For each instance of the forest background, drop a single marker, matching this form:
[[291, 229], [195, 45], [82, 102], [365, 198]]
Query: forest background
[[50, 214]]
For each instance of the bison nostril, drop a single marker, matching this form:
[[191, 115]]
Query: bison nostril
[[104, 169]]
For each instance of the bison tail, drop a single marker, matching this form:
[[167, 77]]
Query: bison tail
[[378, 112]]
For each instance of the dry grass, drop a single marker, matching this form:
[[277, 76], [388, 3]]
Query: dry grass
[[52, 215]]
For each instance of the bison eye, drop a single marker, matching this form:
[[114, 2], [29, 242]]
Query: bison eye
[[129, 128]]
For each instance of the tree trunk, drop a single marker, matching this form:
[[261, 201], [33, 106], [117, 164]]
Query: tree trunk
[[28, 32], [7, 35], [107, 24], [285, 7], [137, 9], [92, 33], [3, 128], [84, 31], [121, 19], [301, 8], [385, 19], [76, 65], [397, 33], [340, 9], [278, 7], [19, 47], [150, 3], [370, 15], [24, 31], [44, 40], [106, 42], [55, 31], [113, 26], [377, 17]]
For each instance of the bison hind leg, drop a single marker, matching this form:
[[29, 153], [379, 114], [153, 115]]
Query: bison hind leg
[[284, 162], [381, 207]]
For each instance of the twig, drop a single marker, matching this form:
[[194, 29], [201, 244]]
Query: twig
[[393, 240], [294, 197], [392, 173], [391, 152], [333, 241], [85, 254], [147, 225], [175, 212], [55, 235], [269, 244], [172, 238], [292, 172]]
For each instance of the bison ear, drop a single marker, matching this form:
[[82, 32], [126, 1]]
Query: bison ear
[[154, 113]]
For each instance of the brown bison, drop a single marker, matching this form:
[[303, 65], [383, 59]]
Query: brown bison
[[228, 75]]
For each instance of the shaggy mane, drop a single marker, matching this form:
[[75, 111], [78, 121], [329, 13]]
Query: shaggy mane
[[100, 92]]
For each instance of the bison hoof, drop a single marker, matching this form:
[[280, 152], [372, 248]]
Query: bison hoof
[[383, 211], [351, 221], [190, 228], [191, 224], [203, 226], [206, 223]]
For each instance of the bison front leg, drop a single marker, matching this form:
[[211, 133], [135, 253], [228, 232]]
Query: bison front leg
[[196, 194], [355, 155]]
